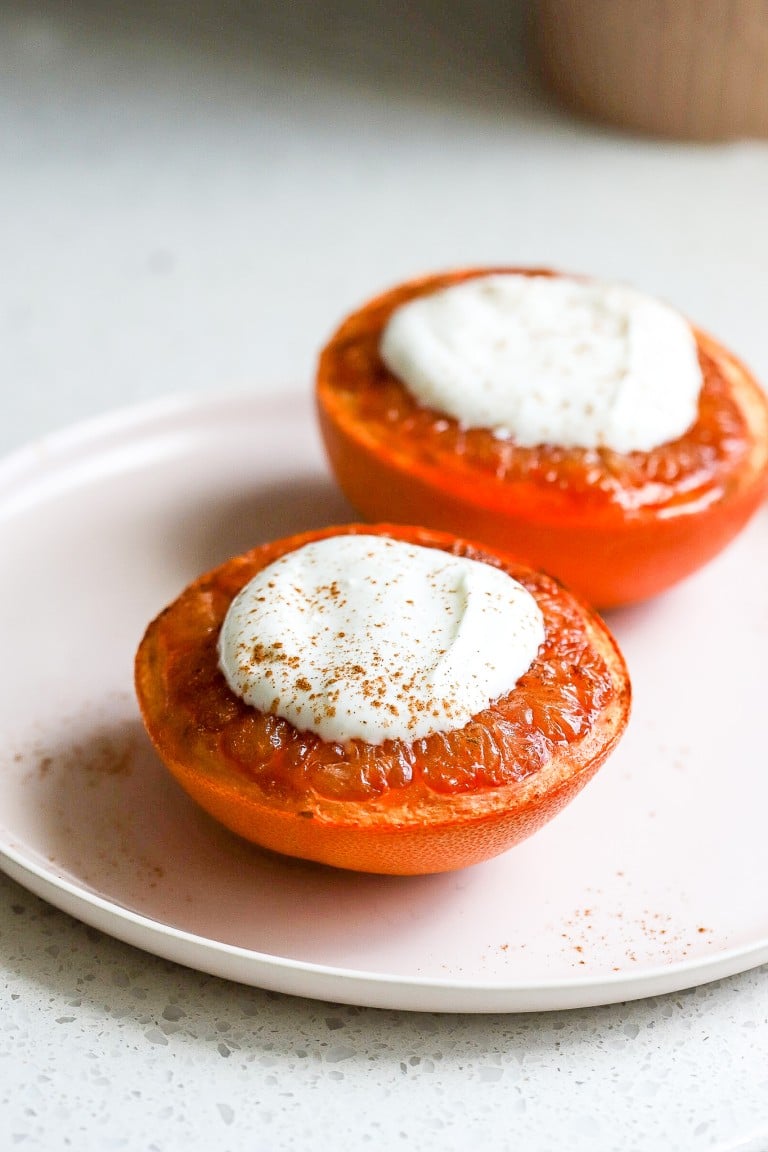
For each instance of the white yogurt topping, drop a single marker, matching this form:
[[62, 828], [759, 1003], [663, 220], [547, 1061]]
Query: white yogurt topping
[[364, 637], [549, 360]]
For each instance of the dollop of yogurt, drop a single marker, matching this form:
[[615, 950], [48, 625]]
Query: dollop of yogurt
[[366, 637], [549, 360]]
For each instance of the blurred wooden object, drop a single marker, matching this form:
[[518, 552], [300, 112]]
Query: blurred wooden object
[[693, 69]]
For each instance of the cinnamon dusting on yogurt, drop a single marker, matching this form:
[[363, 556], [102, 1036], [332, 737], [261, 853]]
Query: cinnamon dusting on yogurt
[[369, 638]]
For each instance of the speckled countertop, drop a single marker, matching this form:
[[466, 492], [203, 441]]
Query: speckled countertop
[[191, 201], [105, 1047]]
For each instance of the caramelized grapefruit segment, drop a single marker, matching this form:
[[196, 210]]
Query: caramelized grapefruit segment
[[436, 804]]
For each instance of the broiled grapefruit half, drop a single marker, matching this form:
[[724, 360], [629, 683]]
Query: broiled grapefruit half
[[439, 803], [615, 527]]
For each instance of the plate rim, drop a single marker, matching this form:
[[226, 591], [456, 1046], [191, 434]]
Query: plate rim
[[427, 991]]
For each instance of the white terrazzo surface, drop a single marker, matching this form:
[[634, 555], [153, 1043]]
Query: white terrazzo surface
[[191, 199], [104, 1047]]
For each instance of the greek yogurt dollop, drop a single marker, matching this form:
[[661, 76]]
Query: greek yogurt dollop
[[549, 360], [365, 637]]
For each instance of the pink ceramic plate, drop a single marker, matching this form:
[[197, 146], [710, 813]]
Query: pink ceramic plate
[[653, 879]]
